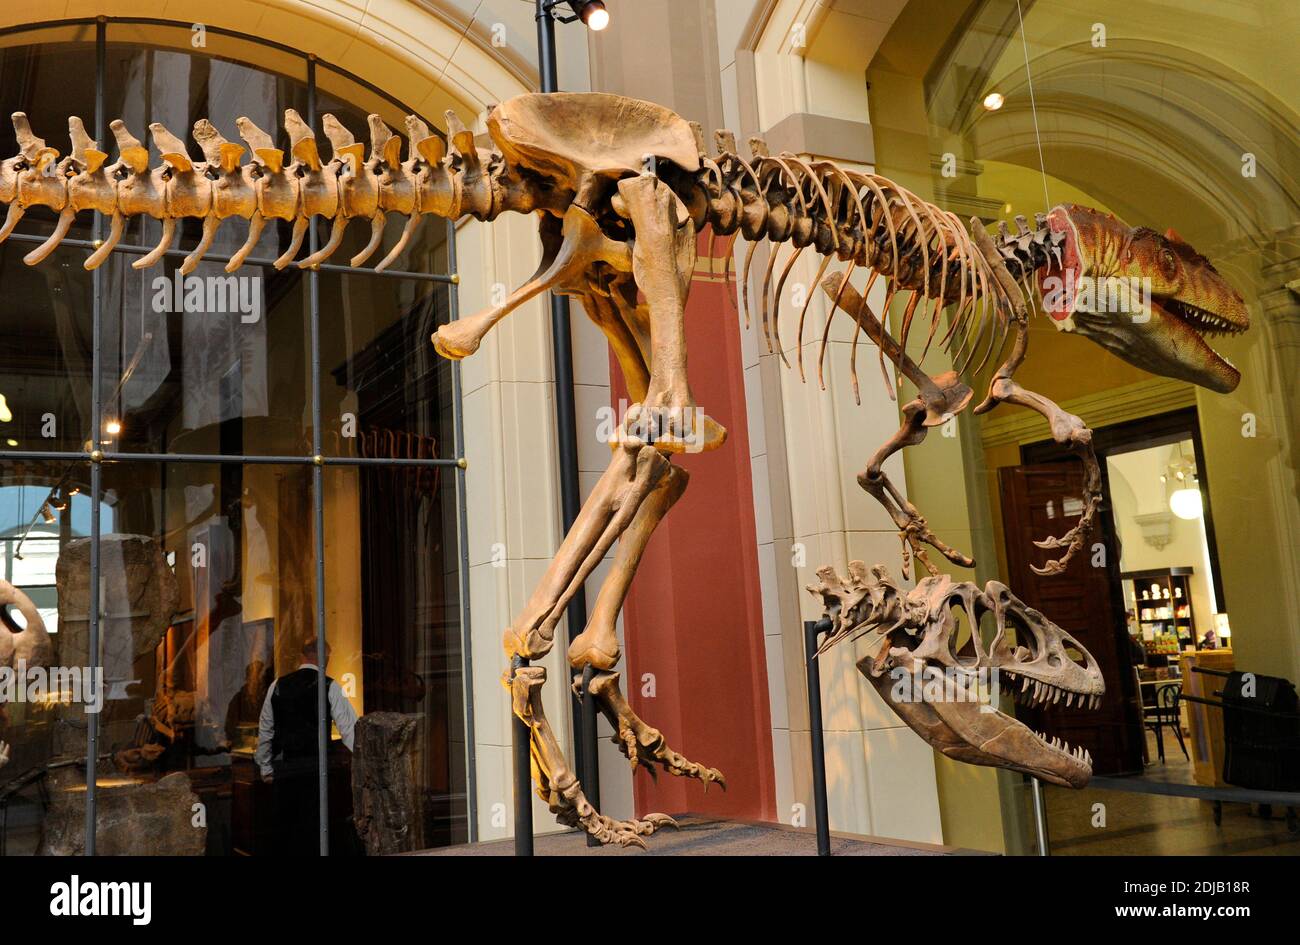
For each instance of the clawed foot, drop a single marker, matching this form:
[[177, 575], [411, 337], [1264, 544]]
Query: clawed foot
[[914, 535], [1079, 439], [913, 530], [648, 748], [1071, 541], [623, 833], [643, 745]]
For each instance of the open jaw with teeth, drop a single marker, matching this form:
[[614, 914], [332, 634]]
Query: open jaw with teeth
[[945, 687], [1125, 267]]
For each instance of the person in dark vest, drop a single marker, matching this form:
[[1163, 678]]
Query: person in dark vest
[[287, 751]]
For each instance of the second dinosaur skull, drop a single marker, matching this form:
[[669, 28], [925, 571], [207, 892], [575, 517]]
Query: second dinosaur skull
[[936, 678]]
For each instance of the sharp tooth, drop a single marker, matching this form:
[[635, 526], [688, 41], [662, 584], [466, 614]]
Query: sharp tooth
[[1069, 699], [1027, 682], [1056, 695]]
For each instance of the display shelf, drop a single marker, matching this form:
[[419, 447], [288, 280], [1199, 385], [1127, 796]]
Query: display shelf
[[1161, 602]]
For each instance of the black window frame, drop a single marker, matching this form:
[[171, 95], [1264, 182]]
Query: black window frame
[[316, 459]]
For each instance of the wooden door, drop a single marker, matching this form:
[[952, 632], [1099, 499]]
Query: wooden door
[[1045, 499]]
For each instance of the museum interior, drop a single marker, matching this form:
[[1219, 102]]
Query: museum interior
[[254, 462]]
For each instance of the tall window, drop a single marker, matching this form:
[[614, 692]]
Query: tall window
[[198, 475]]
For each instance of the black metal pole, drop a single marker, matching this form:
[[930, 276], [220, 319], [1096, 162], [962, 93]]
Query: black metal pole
[[523, 775], [591, 770], [811, 631], [96, 471], [318, 519], [566, 432]]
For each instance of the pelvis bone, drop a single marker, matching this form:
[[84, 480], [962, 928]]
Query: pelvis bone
[[27, 643], [22, 646], [938, 679]]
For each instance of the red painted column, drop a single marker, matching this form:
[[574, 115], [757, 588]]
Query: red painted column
[[694, 618]]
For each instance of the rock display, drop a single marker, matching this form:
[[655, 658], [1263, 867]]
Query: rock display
[[140, 595], [387, 801], [133, 818]]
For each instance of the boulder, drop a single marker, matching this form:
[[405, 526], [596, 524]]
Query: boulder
[[140, 595], [132, 818]]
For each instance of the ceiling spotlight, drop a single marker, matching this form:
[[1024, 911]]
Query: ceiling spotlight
[[113, 428], [993, 101], [48, 514], [593, 14]]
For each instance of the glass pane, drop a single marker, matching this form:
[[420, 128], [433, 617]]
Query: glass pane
[[155, 75], [208, 599], [394, 629], [351, 102], [45, 351], [46, 687], [385, 392], [205, 378], [45, 340]]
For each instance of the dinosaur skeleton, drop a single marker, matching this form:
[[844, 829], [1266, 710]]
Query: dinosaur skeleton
[[622, 188]]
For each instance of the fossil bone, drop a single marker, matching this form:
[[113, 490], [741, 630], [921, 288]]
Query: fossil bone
[[23, 646], [622, 188], [942, 684]]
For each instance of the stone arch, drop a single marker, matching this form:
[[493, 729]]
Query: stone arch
[[423, 53]]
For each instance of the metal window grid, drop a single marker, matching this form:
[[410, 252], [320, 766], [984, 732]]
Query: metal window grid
[[96, 458]]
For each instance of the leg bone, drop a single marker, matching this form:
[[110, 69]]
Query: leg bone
[[597, 645], [557, 784], [612, 506]]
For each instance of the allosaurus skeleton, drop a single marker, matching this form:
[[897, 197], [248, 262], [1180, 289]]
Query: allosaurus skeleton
[[621, 189]]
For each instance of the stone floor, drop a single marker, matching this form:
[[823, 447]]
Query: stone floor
[[699, 836], [1156, 825]]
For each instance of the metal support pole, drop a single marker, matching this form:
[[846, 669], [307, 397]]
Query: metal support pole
[[566, 433], [318, 515], [591, 772], [96, 472], [462, 542], [1040, 817], [521, 745], [812, 629]]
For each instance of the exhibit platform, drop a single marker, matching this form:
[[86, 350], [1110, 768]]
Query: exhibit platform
[[704, 836]]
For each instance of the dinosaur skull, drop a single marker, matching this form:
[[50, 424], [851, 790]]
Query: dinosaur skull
[[1149, 298], [937, 679]]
